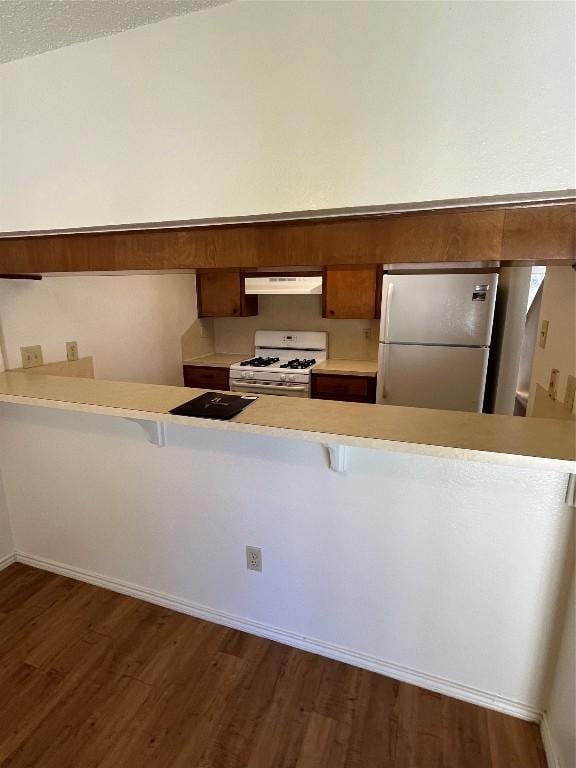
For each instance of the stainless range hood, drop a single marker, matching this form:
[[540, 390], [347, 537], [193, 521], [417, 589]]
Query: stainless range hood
[[284, 285]]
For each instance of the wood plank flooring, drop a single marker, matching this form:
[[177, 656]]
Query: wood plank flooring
[[92, 679]]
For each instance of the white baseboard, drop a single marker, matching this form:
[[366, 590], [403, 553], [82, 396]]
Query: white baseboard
[[551, 756], [7, 560], [320, 647]]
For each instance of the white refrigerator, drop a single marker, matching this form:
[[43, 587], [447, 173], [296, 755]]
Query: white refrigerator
[[435, 333]]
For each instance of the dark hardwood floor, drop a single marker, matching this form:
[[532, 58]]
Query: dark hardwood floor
[[91, 678]]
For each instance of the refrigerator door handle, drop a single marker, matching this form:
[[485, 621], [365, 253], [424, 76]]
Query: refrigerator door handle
[[382, 394], [389, 294]]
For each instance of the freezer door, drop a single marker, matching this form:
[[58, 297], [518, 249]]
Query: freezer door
[[438, 309], [450, 378]]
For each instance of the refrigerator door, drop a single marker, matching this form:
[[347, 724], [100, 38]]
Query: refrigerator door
[[449, 378], [438, 309]]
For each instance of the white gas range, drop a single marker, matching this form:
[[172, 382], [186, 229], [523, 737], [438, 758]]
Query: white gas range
[[282, 363]]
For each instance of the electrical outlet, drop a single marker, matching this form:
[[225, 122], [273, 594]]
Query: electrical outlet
[[71, 351], [254, 558], [366, 332], [544, 333], [553, 383], [570, 394], [31, 356]]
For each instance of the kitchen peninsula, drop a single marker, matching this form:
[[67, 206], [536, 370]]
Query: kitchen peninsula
[[546, 444]]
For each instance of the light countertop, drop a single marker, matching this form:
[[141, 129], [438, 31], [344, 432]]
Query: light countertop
[[81, 369], [539, 444], [216, 360], [341, 367], [348, 367]]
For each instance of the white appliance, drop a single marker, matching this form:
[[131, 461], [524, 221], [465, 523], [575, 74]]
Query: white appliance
[[282, 363], [435, 335], [284, 285]]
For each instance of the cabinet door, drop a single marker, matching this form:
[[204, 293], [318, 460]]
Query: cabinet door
[[351, 292], [221, 294], [207, 377], [355, 389], [445, 378]]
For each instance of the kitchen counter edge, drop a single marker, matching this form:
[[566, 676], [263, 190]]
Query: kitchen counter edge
[[538, 444]]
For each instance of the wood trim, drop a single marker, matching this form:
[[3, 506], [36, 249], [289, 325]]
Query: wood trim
[[20, 277], [550, 235], [248, 302], [541, 234], [284, 273], [378, 297], [482, 203]]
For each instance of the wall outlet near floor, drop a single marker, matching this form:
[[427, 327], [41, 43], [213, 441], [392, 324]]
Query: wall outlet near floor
[[544, 333], [254, 558], [553, 383], [570, 394], [71, 351], [367, 333], [31, 356]]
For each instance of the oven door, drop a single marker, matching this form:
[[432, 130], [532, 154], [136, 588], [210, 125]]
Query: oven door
[[270, 388]]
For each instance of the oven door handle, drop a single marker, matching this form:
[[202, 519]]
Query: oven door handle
[[268, 387]]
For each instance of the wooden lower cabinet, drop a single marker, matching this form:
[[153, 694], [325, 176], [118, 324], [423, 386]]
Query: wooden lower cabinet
[[353, 389], [207, 377]]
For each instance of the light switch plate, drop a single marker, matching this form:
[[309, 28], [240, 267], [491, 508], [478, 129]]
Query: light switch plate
[[553, 383], [570, 394], [31, 356], [71, 351], [544, 333]]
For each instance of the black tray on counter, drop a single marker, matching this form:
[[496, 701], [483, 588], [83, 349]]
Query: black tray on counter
[[214, 405]]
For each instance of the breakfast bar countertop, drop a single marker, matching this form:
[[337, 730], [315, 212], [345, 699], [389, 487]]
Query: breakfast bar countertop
[[531, 443]]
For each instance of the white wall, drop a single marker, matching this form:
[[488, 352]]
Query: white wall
[[443, 567], [132, 325], [559, 308], [255, 107], [561, 706], [6, 539], [346, 338]]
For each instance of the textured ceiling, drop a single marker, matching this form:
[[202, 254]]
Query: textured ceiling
[[28, 27]]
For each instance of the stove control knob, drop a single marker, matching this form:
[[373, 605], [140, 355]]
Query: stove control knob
[[251, 374], [292, 377], [243, 374], [282, 377]]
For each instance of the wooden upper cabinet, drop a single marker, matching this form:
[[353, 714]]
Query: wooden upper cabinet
[[352, 292], [221, 294]]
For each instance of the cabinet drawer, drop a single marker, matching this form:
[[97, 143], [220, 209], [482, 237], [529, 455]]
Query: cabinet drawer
[[206, 377], [358, 389]]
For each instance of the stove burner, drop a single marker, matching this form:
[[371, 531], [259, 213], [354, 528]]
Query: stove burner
[[260, 362], [297, 364]]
